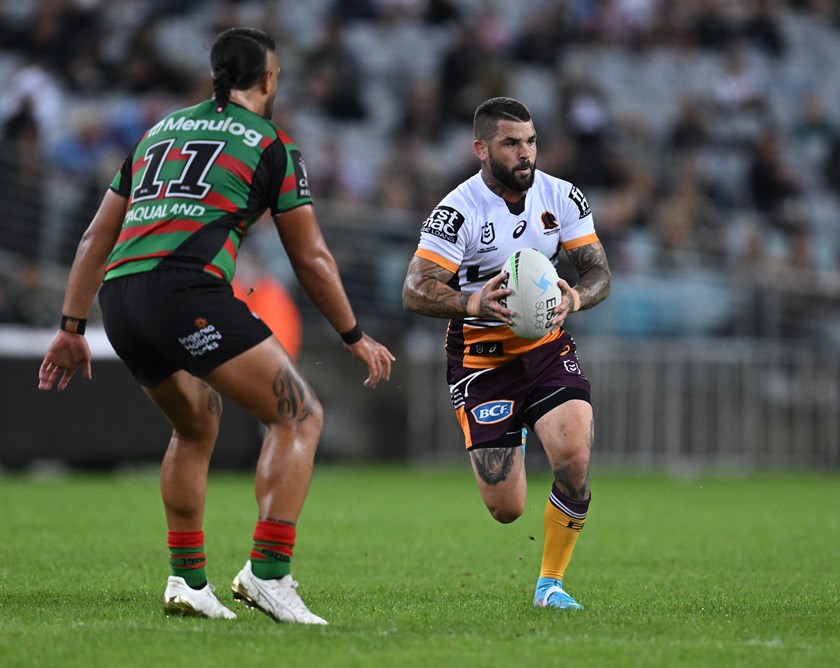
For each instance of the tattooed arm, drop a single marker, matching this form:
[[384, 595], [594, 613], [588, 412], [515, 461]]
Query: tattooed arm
[[595, 277], [426, 291], [592, 287]]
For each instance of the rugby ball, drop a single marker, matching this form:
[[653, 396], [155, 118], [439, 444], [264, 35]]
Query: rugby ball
[[533, 281]]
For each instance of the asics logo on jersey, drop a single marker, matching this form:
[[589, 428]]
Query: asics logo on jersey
[[543, 284], [250, 137]]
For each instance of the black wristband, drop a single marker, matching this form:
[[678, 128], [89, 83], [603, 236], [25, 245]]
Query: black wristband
[[73, 325], [352, 336]]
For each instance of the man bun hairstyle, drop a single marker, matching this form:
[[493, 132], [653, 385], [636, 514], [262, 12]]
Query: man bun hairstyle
[[489, 113], [237, 61]]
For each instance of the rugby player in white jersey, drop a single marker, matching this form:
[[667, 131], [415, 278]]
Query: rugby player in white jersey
[[499, 382]]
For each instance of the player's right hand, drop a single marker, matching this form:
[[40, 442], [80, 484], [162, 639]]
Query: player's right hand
[[67, 353], [488, 302], [377, 357]]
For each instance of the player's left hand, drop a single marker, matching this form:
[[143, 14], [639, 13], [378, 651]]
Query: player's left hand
[[377, 357], [569, 303], [67, 353]]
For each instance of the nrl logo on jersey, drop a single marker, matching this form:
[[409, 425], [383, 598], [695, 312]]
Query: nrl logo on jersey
[[488, 233]]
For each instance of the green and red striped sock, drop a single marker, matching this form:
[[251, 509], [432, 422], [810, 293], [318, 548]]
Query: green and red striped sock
[[187, 558], [271, 556]]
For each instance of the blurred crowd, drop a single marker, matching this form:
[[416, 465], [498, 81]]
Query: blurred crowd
[[705, 133]]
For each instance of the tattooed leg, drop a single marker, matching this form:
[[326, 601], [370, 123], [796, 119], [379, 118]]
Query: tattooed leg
[[500, 476], [493, 465], [293, 395], [214, 400]]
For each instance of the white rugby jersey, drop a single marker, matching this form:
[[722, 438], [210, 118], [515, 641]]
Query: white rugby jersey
[[472, 233]]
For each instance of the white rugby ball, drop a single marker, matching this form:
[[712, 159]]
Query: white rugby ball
[[533, 281]]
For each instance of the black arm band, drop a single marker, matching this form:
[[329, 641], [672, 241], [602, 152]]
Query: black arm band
[[73, 325], [352, 336]]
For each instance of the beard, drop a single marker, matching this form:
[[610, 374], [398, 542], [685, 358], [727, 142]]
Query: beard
[[268, 112], [512, 179]]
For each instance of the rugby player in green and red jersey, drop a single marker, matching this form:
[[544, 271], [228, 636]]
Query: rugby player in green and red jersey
[[163, 248]]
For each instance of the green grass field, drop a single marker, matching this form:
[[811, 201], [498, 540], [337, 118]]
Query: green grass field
[[410, 570]]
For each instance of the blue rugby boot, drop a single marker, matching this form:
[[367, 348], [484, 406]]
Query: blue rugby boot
[[550, 594]]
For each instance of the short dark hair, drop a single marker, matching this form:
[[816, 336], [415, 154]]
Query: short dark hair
[[237, 60], [489, 113]]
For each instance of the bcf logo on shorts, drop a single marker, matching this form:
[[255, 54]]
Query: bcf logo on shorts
[[491, 412]]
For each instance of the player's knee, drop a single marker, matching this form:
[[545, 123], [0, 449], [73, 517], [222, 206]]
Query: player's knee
[[578, 459], [197, 433], [506, 513], [306, 418], [201, 427], [315, 417]]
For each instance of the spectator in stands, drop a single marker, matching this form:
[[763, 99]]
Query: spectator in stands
[[588, 121], [143, 67], [689, 131], [353, 10], [812, 132], [67, 37], [762, 28], [611, 24], [334, 75], [710, 27], [738, 89], [685, 220], [543, 36], [473, 68], [30, 302], [422, 112], [21, 183], [775, 189], [9, 312], [441, 12], [831, 166], [33, 84], [82, 158]]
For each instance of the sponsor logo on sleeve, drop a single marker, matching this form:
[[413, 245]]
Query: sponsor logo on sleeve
[[443, 222], [491, 412], [301, 178], [580, 201]]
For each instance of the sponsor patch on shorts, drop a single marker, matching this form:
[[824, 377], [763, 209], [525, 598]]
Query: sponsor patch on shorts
[[203, 340], [491, 412]]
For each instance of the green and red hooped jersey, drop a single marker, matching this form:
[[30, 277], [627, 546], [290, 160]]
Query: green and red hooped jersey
[[196, 182]]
